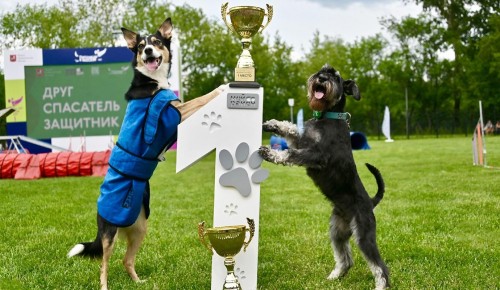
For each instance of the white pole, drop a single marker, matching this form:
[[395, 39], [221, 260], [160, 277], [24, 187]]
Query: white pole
[[482, 132], [291, 102], [407, 117]]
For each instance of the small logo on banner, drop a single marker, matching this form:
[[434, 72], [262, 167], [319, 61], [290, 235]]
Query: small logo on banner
[[39, 72], [13, 58], [97, 56]]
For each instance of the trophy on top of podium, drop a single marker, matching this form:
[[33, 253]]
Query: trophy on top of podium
[[246, 21]]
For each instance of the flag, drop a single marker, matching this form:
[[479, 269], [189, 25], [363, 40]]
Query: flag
[[386, 125]]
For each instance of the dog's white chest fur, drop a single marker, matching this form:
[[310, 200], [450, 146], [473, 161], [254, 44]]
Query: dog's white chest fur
[[159, 75]]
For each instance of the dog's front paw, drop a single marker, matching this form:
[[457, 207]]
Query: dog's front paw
[[275, 156], [265, 152], [271, 126]]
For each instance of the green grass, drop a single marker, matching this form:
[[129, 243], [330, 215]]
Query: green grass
[[438, 225]]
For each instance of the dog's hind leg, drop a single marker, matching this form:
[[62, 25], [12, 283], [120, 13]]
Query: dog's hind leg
[[108, 242], [365, 234], [340, 233], [135, 235]]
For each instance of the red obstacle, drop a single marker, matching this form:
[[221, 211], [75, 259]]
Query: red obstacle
[[30, 169], [100, 163], [9, 163], [57, 164]]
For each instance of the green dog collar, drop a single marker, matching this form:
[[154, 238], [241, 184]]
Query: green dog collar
[[332, 115]]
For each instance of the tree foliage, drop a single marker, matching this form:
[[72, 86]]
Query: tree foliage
[[464, 23], [83, 23]]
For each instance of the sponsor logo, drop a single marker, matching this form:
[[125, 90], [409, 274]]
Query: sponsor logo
[[74, 71], [96, 57], [120, 71]]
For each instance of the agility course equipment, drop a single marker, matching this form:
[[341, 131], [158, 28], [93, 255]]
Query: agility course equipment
[[16, 145], [386, 125], [478, 141], [56, 164], [6, 112], [358, 141], [16, 162], [278, 143]]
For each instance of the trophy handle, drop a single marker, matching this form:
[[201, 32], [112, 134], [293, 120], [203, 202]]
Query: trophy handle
[[201, 235], [251, 229], [269, 16], [223, 12]]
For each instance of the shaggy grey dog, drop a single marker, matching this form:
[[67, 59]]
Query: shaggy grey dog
[[324, 148]]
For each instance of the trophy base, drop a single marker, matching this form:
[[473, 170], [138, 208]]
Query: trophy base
[[231, 283], [244, 74], [246, 85]]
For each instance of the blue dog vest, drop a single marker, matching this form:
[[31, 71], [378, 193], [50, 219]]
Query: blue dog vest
[[149, 127]]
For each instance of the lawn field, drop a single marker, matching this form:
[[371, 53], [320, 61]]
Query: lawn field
[[438, 225]]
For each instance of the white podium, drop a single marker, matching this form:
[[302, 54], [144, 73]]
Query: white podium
[[232, 125]]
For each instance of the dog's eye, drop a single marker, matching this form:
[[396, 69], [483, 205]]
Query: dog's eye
[[157, 42], [140, 46]]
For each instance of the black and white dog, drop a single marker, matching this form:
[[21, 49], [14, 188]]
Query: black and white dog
[[148, 129], [324, 148]]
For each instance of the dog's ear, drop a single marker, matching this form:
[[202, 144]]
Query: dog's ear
[[166, 28], [351, 89], [130, 37]]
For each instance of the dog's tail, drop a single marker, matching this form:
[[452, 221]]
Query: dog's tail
[[90, 249], [380, 183]]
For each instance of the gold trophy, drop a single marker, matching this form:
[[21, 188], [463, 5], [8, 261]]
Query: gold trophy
[[227, 242], [246, 21]]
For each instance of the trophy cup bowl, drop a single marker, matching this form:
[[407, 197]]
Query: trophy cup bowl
[[246, 22], [227, 242]]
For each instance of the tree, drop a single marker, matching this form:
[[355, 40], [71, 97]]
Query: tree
[[281, 79], [84, 23], [419, 41], [209, 51], [464, 22], [485, 70], [364, 58]]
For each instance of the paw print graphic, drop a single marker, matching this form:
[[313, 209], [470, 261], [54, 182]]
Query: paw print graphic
[[239, 273], [212, 121], [238, 177], [231, 209]]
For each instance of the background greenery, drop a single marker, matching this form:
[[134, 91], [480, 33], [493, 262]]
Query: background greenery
[[443, 94], [438, 225]]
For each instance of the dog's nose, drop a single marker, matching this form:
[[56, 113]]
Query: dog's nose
[[322, 78], [148, 50]]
